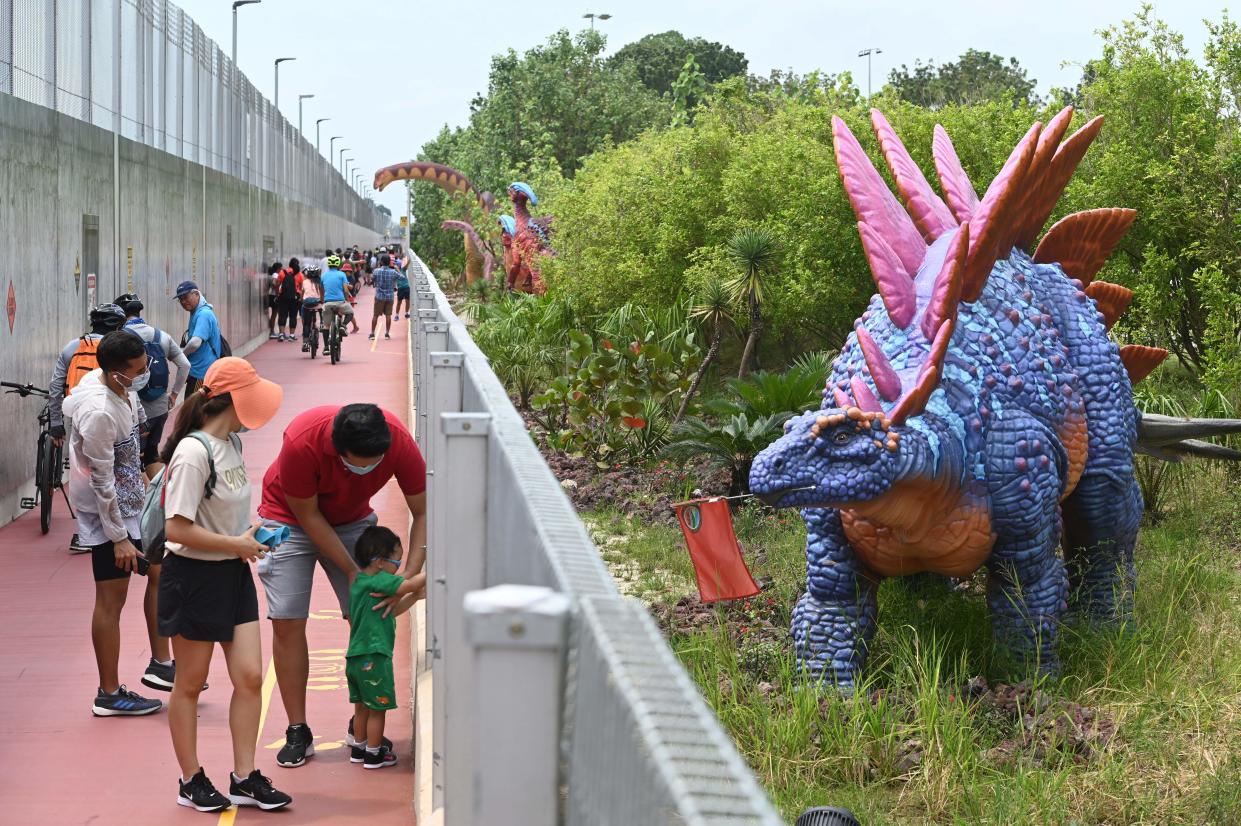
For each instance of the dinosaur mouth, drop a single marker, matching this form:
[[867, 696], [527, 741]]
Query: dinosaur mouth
[[775, 497]]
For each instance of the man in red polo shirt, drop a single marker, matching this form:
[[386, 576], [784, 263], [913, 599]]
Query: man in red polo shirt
[[332, 461]]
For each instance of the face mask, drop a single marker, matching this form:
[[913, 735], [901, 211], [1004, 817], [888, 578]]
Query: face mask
[[243, 429], [361, 471], [137, 383]]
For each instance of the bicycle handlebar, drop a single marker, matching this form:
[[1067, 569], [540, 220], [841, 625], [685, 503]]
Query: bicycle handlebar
[[24, 390]]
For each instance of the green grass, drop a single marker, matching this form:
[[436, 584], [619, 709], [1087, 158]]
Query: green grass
[[909, 747]]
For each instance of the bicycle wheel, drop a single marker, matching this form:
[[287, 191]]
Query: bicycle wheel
[[314, 341], [334, 344], [44, 470]]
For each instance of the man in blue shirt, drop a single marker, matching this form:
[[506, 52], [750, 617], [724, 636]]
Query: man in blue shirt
[[384, 278], [202, 337], [337, 294]]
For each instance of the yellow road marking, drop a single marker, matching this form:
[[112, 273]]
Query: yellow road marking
[[269, 683]]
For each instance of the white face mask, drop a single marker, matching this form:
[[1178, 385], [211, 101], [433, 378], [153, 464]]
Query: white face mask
[[135, 384], [361, 471]]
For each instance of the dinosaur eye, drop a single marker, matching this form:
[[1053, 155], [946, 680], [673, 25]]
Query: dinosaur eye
[[842, 437]]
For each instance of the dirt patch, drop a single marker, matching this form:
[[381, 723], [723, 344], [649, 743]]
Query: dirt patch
[[1048, 727]]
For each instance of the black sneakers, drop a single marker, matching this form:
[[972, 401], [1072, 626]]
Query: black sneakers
[[380, 760], [354, 743], [200, 794], [298, 745], [159, 676], [256, 790], [123, 703]]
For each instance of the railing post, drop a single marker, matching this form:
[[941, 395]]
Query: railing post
[[420, 319], [516, 636], [464, 441], [435, 338], [444, 526]]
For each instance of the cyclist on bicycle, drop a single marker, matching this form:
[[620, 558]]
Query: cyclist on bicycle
[[336, 294], [312, 299], [77, 358]]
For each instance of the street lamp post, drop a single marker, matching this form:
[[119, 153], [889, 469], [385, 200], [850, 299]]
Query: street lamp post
[[331, 148], [592, 17], [236, 5], [866, 53], [278, 61], [341, 163], [300, 98], [317, 124]]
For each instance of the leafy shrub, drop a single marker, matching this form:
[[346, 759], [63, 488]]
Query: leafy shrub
[[732, 443]]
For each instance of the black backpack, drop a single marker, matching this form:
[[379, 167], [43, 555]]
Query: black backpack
[[158, 383]]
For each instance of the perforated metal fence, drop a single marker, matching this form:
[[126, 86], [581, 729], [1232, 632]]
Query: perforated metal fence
[[146, 71], [593, 723]]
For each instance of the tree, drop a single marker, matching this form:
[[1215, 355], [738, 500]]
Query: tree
[[659, 58], [687, 91], [713, 310], [1171, 149], [754, 252], [975, 77]]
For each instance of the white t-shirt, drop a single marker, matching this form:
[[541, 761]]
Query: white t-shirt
[[227, 512]]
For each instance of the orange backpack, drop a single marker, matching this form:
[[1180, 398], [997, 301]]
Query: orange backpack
[[81, 362]]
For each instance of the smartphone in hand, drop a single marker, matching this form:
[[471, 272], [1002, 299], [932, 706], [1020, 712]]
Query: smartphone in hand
[[143, 565]]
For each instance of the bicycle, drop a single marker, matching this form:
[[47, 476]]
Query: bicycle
[[311, 327], [49, 459], [333, 334]]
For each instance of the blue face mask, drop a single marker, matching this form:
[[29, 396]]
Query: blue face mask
[[361, 471]]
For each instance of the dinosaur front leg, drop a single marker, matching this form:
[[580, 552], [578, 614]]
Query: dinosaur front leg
[[1026, 584], [835, 619], [1101, 521]]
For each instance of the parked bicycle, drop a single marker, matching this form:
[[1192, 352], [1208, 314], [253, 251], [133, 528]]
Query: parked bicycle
[[49, 459]]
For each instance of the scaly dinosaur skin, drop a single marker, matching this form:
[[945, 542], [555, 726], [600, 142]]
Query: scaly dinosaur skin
[[512, 255], [978, 407], [479, 260], [531, 240]]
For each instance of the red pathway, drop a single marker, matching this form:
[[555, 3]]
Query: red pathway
[[61, 765]]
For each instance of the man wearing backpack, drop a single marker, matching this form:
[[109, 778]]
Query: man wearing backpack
[[203, 342], [161, 392], [77, 358]]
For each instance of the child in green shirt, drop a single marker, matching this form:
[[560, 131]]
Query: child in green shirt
[[368, 662]]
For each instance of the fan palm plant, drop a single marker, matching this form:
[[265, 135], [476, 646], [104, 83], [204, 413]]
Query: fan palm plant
[[714, 310], [755, 253], [733, 444]]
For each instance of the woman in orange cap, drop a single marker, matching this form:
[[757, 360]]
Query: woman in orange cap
[[207, 593]]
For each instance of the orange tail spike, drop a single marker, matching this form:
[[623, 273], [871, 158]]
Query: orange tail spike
[[1081, 243], [1139, 361], [1112, 300]]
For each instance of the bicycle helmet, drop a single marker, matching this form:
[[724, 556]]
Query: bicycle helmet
[[130, 303], [312, 272], [333, 261], [107, 317]]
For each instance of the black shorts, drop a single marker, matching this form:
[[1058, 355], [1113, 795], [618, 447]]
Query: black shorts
[[103, 561], [286, 312], [271, 301], [205, 601], [402, 294], [150, 442]]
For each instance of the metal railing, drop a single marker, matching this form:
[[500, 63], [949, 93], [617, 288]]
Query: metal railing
[[561, 702], [146, 71]]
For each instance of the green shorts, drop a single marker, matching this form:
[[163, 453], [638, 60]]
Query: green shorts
[[370, 681]]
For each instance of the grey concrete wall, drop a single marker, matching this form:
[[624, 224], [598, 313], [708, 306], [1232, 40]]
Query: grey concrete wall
[[177, 217]]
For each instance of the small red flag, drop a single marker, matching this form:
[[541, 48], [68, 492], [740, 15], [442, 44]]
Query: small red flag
[[718, 564]]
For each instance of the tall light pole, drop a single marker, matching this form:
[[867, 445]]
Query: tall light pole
[[236, 5], [344, 171], [331, 148], [866, 53], [278, 61], [317, 124], [341, 164], [300, 98], [592, 17]]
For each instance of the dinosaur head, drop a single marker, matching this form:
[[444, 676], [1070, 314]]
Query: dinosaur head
[[508, 228], [521, 192], [828, 457]]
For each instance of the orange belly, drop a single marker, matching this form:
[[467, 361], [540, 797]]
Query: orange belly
[[921, 526]]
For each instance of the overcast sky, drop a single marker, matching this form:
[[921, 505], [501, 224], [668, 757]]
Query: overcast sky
[[390, 73]]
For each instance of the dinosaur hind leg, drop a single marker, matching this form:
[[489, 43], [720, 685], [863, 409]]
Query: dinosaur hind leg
[[835, 619], [1101, 521]]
